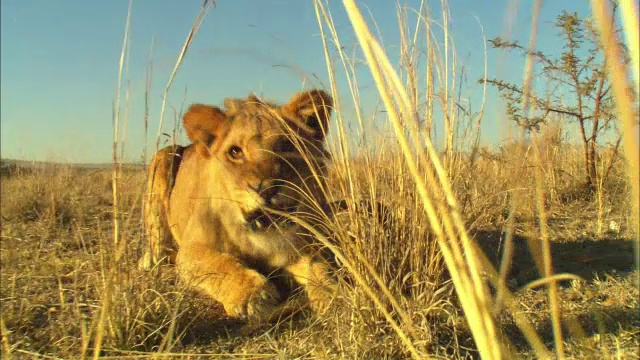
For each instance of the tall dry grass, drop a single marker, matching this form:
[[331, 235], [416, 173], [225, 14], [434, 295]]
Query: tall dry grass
[[619, 74], [458, 250], [57, 250], [439, 203]]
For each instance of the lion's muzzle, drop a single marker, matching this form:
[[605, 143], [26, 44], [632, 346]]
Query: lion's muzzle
[[274, 197], [262, 220]]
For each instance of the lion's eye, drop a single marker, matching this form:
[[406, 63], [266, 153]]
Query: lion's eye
[[235, 153]]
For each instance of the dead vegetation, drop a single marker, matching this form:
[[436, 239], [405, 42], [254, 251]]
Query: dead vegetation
[[57, 253]]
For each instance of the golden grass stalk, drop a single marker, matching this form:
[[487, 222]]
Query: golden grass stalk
[[448, 102], [441, 207], [147, 98], [104, 311], [111, 279], [347, 172], [554, 304], [627, 111], [523, 324], [116, 126], [629, 13], [540, 193], [322, 13], [6, 346], [552, 279], [183, 51], [359, 279], [168, 341]]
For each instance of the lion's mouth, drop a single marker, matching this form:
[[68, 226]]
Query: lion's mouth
[[263, 219]]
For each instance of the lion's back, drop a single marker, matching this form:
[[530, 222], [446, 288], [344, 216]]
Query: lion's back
[[161, 177]]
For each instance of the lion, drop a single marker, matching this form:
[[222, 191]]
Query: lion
[[210, 205]]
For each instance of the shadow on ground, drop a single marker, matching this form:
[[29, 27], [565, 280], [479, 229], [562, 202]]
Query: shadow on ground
[[598, 307], [620, 322], [586, 258]]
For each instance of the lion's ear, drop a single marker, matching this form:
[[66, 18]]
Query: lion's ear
[[232, 105], [204, 124], [313, 109]]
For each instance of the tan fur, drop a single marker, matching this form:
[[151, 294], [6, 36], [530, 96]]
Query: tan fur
[[244, 160]]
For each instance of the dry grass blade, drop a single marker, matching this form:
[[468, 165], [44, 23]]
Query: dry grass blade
[[183, 51], [6, 346], [348, 172], [452, 239], [627, 112], [553, 278], [554, 304], [525, 326], [116, 124], [147, 99], [111, 270], [540, 191], [106, 300], [629, 12], [359, 279], [175, 355]]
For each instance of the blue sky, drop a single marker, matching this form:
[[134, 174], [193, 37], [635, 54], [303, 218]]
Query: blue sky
[[59, 62]]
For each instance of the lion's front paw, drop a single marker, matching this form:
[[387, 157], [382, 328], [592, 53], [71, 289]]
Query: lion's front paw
[[263, 302], [321, 296], [258, 302]]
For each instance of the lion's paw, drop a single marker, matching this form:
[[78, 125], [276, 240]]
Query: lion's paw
[[263, 302], [321, 296], [259, 304]]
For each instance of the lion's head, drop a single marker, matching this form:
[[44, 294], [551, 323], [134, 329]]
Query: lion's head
[[262, 155]]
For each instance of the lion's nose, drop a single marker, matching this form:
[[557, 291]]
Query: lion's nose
[[269, 194], [267, 189]]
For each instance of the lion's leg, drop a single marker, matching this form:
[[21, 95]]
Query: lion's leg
[[161, 176], [314, 276], [242, 291]]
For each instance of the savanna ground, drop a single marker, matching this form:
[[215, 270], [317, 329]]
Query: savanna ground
[[65, 285]]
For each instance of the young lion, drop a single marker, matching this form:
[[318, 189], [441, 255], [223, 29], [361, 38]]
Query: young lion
[[213, 199]]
